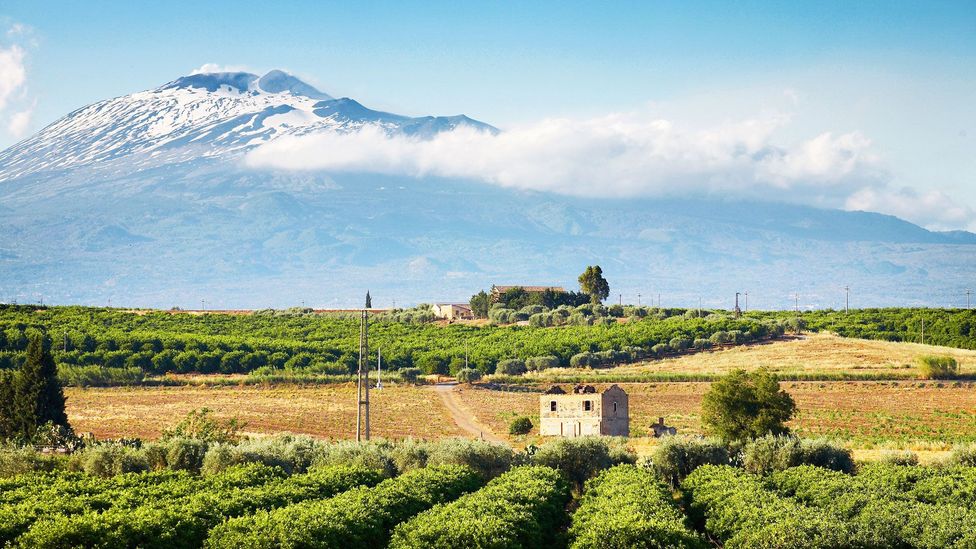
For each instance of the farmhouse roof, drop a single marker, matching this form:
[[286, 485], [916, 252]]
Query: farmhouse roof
[[584, 389], [555, 390]]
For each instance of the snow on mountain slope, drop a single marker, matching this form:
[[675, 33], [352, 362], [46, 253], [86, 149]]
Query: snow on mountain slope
[[200, 116]]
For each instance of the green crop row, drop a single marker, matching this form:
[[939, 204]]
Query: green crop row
[[737, 509], [184, 518], [627, 506], [361, 517], [883, 513], [522, 508]]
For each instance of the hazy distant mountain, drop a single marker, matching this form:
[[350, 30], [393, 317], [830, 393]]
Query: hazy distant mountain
[[142, 199]]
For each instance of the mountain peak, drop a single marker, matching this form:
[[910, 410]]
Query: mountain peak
[[274, 81], [277, 81]]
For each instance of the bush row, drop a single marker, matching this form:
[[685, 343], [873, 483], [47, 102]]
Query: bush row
[[522, 508], [361, 517], [629, 507]]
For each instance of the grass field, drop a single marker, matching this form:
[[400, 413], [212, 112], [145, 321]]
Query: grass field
[[318, 410], [810, 354], [912, 414]]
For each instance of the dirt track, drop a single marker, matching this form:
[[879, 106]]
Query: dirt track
[[462, 417]]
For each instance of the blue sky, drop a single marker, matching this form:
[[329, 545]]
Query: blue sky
[[902, 75]]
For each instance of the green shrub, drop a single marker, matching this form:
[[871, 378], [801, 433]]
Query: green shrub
[[776, 453], [487, 459], [108, 460], [410, 375], [520, 426], [964, 454], [937, 367], [184, 454], [376, 455], [899, 457], [522, 508], [677, 457], [468, 375], [539, 363], [511, 367], [628, 507], [579, 459]]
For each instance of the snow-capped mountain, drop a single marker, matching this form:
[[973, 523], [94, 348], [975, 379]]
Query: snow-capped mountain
[[142, 200], [201, 116]]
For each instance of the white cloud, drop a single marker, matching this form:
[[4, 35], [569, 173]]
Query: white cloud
[[214, 67], [932, 209], [614, 155], [20, 121], [13, 73], [628, 154]]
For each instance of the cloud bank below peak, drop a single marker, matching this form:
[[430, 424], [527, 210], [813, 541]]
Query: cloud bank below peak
[[632, 155]]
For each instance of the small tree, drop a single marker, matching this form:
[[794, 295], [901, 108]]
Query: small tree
[[593, 284], [468, 375], [480, 303], [743, 406], [520, 426], [201, 425], [38, 397]]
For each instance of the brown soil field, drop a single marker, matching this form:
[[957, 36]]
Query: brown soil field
[[811, 353], [327, 411], [863, 414]]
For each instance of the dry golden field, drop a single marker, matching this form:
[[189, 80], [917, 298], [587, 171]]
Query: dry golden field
[[865, 414], [319, 410], [861, 413], [812, 353]]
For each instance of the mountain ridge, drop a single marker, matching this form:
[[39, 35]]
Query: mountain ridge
[[143, 199]]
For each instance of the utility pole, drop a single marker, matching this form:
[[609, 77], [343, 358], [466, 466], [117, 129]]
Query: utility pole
[[638, 300], [796, 307], [203, 304], [847, 299], [379, 368], [747, 302], [362, 386], [737, 310], [968, 293], [620, 299]]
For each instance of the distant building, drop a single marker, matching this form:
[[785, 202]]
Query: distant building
[[452, 311], [584, 412], [497, 291], [660, 429]]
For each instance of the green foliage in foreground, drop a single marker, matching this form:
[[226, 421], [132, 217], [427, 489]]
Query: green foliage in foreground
[[628, 507], [359, 518], [175, 511], [882, 506], [522, 508]]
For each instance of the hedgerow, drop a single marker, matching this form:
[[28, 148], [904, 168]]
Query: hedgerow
[[627, 507], [522, 508]]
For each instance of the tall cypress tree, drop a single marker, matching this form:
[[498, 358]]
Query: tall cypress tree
[[38, 397], [7, 401]]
